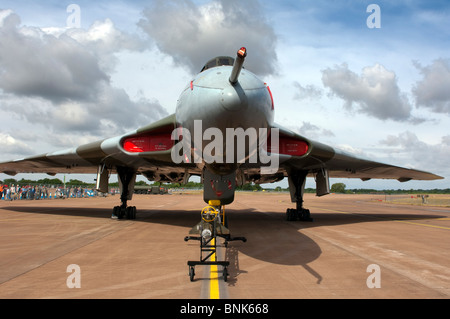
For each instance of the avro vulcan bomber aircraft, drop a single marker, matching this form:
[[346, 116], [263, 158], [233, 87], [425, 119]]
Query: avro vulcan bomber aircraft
[[223, 130]]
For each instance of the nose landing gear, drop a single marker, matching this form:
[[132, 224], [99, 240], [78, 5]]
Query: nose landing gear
[[212, 226]]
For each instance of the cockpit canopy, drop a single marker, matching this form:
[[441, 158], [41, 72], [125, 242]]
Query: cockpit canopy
[[218, 61]]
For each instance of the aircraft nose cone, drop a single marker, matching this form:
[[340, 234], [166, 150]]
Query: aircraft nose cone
[[233, 98]]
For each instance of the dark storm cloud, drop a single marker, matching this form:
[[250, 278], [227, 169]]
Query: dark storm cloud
[[193, 34]]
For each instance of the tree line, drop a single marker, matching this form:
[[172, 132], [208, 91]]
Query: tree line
[[340, 188]]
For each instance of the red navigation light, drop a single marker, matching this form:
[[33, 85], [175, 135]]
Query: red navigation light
[[242, 52]]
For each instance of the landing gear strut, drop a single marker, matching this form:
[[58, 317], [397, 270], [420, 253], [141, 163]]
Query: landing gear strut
[[297, 186], [127, 178]]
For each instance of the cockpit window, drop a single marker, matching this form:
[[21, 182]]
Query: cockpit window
[[218, 61]]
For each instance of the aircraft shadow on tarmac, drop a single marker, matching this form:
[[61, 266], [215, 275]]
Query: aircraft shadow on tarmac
[[270, 238]]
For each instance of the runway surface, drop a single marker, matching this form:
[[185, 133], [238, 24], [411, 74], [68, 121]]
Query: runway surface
[[356, 247]]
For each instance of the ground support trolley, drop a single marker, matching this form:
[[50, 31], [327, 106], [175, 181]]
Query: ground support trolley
[[210, 228], [208, 249]]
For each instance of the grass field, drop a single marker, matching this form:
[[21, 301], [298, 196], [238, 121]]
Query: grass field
[[427, 199]]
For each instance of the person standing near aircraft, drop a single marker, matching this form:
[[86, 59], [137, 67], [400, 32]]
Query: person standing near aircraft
[[8, 194]]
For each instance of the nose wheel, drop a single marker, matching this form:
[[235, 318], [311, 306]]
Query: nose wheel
[[225, 274], [191, 272]]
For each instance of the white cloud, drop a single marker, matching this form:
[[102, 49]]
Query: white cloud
[[352, 150], [193, 34], [103, 39], [33, 63], [307, 92], [433, 90], [313, 131], [60, 78], [406, 147], [375, 92], [10, 145], [7, 17]]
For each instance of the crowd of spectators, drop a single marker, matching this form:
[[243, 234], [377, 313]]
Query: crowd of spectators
[[33, 192]]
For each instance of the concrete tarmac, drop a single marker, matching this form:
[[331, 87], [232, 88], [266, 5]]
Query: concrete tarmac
[[356, 247]]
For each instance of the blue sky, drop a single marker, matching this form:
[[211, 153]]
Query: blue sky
[[380, 93]]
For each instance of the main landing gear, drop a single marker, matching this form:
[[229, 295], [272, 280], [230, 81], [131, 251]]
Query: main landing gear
[[296, 186], [127, 178], [212, 226], [298, 214], [120, 212]]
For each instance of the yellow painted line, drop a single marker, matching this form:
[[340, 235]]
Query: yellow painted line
[[394, 220], [214, 278], [334, 211]]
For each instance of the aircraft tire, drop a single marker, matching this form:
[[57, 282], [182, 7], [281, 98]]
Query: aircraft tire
[[130, 212], [291, 215], [305, 215], [116, 212]]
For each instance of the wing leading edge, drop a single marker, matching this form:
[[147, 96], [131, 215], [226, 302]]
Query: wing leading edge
[[110, 153]]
